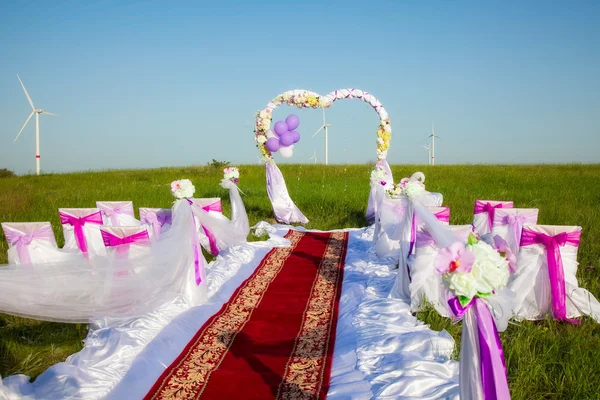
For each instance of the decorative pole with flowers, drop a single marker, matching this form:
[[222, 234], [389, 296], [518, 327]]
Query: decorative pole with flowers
[[184, 190]]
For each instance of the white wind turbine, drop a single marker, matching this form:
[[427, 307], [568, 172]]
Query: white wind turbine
[[314, 157], [433, 136], [324, 126], [37, 112]]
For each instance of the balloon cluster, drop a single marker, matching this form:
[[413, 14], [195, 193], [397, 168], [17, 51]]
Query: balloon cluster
[[285, 136]]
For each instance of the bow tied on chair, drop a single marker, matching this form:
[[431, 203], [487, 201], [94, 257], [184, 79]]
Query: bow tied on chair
[[157, 221], [212, 241], [556, 272], [216, 206], [22, 240], [122, 244], [487, 207], [78, 223]]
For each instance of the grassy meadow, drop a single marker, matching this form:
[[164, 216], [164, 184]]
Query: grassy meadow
[[545, 359]]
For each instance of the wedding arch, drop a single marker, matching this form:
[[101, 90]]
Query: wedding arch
[[284, 208]]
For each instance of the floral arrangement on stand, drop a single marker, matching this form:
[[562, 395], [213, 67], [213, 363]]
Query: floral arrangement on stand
[[232, 174], [182, 189], [472, 272], [406, 187]]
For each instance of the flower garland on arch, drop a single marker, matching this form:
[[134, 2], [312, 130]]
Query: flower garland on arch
[[308, 99]]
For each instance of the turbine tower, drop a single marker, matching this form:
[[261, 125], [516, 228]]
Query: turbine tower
[[433, 136], [325, 127], [37, 112], [314, 157]]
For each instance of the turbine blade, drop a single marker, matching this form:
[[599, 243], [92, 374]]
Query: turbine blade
[[320, 129], [26, 94], [24, 125], [48, 113]]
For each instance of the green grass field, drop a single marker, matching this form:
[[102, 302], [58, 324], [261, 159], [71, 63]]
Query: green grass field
[[545, 360]]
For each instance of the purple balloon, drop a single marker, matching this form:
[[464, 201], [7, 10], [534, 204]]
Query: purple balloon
[[272, 144], [295, 136], [292, 122], [280, 128], [286, 139]]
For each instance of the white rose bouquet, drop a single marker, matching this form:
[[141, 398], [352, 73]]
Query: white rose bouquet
[[182, 189], [232, 174]]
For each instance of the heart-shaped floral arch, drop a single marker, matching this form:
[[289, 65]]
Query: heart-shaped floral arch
[[283, 206]]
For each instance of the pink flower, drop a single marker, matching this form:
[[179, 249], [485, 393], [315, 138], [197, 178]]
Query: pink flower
[[404, 181], [454, 258], [506, 252]]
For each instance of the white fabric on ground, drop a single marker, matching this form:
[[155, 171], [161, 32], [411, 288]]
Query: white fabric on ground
[[381, 350]]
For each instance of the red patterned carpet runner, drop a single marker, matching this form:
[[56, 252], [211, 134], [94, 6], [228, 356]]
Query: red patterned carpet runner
[[274, 338]]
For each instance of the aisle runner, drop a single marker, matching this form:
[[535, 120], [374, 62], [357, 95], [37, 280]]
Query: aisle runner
[[275, 336]]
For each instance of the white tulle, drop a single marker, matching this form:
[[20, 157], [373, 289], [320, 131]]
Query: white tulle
[[531, 283], [80, 289]]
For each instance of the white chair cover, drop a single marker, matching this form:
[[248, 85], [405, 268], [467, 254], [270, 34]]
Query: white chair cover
[[213, 207], [531, 284], [156, 220], [34, 241], [482, 221], [91, 231], [140, 241], [508, 224], [117, 213], [426, 284]]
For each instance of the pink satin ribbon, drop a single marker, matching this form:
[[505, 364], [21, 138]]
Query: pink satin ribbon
[[481, 207], [555, 266], [122, 244], [212, 241], [494, 382], [22, 240], [443, 215], [200, 273], [114, 212], [157, 221], [78, 223]]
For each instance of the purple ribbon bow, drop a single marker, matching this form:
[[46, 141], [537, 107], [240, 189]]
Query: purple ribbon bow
[[487, 207], [491, 355], [121, 244], [157, 220], [78, 223], [555, 266], [22, 240], [113, 212]]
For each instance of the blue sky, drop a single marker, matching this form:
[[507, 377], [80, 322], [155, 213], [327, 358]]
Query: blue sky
[[154, 83]]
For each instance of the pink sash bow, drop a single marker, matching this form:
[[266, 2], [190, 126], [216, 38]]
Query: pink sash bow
[[481, 207], [114, 212], [555, 266], [212, 241], [22, 240], [515, 222], [78, 223], [121, 244]]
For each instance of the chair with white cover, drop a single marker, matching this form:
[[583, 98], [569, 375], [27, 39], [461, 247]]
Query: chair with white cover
[[81, 229], [213, 208], [32, 243], [117, 213], [508, 224], [545, 281], [125, 242], [426, 284], [483, 214], [156, 220]]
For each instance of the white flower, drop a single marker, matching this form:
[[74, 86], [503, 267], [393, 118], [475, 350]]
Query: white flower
[[462, 284], [414, 188], [266, 124], [379, 141], [378, 174], [182, 188], [490, 269], [263, 114], [231, 173], [387, 128], [261, 139]]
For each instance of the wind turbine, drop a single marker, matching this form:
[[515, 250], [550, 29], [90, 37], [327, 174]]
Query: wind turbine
[[428, 154], [37, 112], [314, 157], [433, 136], [324, 126]]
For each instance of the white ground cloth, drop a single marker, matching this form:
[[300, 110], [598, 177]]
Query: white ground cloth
[[381, 350]]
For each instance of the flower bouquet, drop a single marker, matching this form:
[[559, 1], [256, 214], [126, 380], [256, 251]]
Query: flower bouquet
[[182, 189], [472, 272], [232, 174]]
